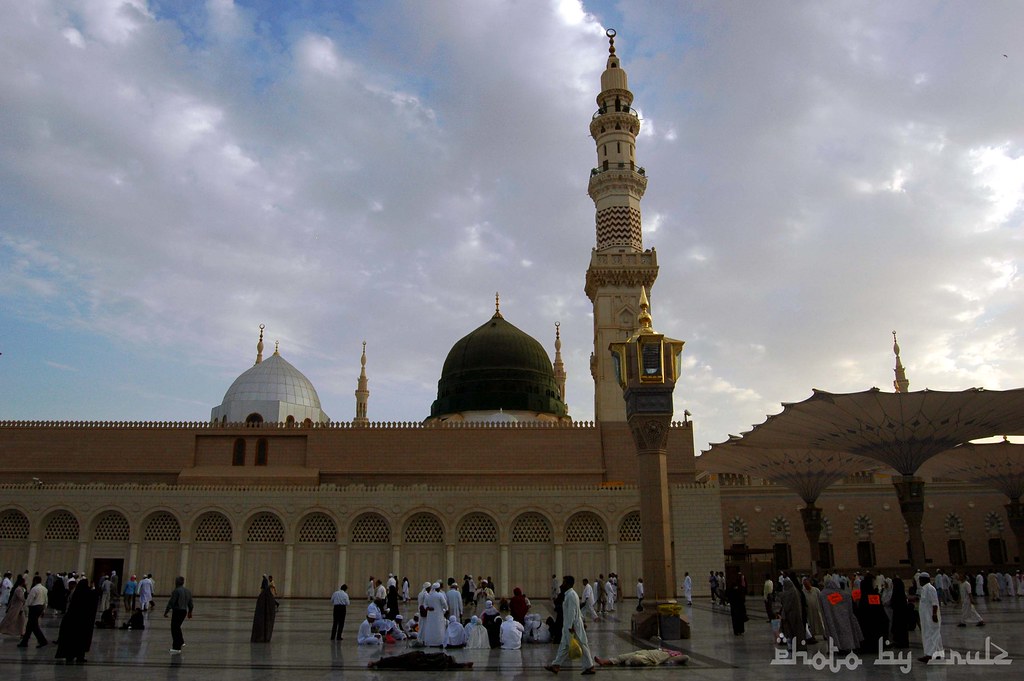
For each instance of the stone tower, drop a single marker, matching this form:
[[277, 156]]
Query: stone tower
[[619, 265]]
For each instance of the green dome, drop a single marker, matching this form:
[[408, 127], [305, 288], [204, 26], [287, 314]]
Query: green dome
[[497, 367]]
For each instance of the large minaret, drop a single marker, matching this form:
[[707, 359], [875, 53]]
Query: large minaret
[[362, 393], [619, 266]]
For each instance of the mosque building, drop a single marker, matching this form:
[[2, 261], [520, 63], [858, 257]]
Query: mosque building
[[271, 485]]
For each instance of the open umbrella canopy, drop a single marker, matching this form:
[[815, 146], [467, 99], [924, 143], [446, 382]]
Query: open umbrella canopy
[[998, 465], [901, 430], [808, 472]]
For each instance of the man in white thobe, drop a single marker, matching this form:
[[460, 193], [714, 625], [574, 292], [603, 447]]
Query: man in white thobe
[[968, 613], [931, 620], [432, 632], [454, 603], [688, 589], [588, 600], [609, 595], [146, 592], [572, 625]]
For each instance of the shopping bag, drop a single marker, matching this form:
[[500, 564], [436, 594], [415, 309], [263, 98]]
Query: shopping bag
[[575, 649]]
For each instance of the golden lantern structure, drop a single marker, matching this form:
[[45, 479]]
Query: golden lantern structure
[[647, 365]]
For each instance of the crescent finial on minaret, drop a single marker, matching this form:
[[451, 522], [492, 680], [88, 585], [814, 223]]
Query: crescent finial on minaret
[[497, 305], [611, 40], [259, 345]]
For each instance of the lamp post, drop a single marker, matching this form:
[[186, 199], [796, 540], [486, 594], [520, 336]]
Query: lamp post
[[647, 365]]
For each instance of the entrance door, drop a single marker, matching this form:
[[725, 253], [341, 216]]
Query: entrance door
[[103, 566]]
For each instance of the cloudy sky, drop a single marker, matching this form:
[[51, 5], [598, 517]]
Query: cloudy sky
[[174, 173]]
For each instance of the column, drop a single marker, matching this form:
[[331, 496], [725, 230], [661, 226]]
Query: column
[[236, 568], [183, 558], [342, 563], [503, 578], [910, 491], [133, 558], [289, 562]]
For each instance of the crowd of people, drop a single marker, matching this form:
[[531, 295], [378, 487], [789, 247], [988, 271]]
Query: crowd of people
[[866, 613]]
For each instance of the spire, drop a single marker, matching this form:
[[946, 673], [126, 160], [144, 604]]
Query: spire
[[259, 346], [902, 384], [497, 306], [277, 345], [558, 367], [362, 393], [644, 318]]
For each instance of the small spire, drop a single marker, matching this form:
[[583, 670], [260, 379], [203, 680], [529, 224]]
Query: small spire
[[558, 367], [362, 392], [611, 40], [277, 344], [644, 318], [901, 384], [259, 346], [497, 306]]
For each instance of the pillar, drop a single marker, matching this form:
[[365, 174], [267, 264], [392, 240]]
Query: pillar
[[289, 562], [910, 491], [812, 517], [236, 568], [1015, 514]]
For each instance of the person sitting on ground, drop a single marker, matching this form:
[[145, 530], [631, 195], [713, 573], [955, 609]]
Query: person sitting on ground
[[455, 636], [419, 660], [644, 658], [366, 635], [476, 634], [511, 634], [136, 622]]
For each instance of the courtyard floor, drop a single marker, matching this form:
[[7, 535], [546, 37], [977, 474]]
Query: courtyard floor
[[218, 649]]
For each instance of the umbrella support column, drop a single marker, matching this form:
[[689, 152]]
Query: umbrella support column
[[910, 491], [811, 516], [1015, 513]]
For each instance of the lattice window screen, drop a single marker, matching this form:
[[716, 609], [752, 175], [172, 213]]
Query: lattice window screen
[[531, 528], [954, 525], [371, 528], [13, 525], [318, 528], [424, 528], [265, 528], [478, 528], [111, 527], [162, 527], [62, 527], [213, 527], [585, 527], [629, 528]]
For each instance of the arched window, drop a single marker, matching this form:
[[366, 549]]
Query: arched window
[[290, 421], [238, 454], [254, 419], [261, 452]]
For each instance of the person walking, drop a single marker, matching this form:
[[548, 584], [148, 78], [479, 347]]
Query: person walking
[[36, 603], [340, 602], [15, 620], [146, 593], [572, 625], [74, 637], [179, 606]]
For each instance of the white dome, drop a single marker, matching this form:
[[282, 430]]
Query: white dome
[[273, 391], [273, 380]]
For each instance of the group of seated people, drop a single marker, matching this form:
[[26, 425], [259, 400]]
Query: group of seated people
[[491, 630]]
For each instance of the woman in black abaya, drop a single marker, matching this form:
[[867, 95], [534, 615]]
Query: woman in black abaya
[[76, 627], [266, 613]]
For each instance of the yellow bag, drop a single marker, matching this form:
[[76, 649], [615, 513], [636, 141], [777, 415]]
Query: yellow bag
[[575, 649]]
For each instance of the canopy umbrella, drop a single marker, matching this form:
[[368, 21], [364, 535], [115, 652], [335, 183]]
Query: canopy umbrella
[[808, 472], [901, 430], [998, 465]]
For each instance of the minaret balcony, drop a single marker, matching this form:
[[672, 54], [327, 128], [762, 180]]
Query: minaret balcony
[[605, 110], [618, 168]]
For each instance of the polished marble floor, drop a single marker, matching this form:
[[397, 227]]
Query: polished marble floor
[[218, 649]]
